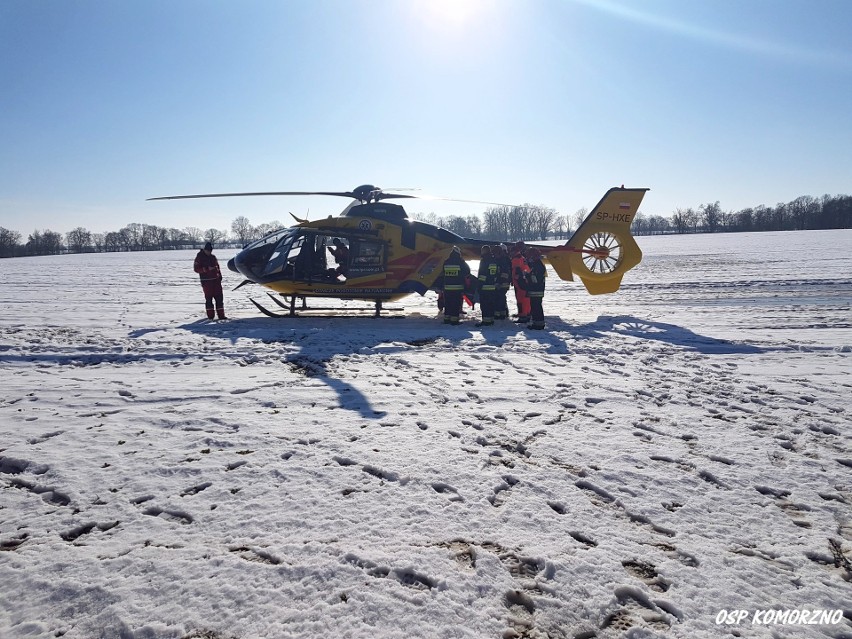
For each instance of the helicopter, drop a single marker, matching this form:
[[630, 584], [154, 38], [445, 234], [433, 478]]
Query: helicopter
[[388, 255]]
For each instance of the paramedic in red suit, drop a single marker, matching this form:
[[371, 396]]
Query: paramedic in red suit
[[520, 268], [207, 267]]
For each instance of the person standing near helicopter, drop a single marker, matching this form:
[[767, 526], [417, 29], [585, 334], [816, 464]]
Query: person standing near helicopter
[[454, 272], [504, 281], [520, 268], [207, 267], [535, 288], [489, 271]]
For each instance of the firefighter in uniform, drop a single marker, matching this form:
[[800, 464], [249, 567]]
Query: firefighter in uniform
[[535, 288], [454, 272], [488, 273], [504, 281]]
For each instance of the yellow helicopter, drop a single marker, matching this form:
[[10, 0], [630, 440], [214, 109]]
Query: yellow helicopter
[[387, 255]]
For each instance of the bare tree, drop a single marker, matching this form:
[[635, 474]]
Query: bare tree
[[113, 241], [474, 223], [579, 217], [44, 243], [496, 224], [9, 241], [193, 234], [458, 225], [177, 238], [639, 224], [262, 230], [150, 237], [541, 221], [427, 218], [242, 230], [681, 220], [132, 236], [657, 225], [162, 237], [518, 223], [214, 236], [711, 215], [79, 240]]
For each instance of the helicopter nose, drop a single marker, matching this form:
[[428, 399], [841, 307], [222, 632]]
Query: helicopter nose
[[232, 265]]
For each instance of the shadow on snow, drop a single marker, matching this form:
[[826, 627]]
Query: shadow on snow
[[316, 341]]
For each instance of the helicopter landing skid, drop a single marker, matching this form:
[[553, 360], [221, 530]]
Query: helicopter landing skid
[[319, 311]]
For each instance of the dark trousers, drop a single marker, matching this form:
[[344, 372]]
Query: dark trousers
[[486, 305], [452, 306], [501, 306], [213, 291], [537, 311]]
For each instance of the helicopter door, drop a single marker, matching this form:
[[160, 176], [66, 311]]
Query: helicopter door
[[308, 257], [367, 258]]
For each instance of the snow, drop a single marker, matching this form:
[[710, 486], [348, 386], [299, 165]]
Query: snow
[[655, 457]]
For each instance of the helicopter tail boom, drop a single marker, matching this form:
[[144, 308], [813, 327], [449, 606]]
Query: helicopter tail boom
[[602, 249]]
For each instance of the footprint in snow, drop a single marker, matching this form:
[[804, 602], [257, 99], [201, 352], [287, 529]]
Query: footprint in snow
[[647, 573], [441, 487]]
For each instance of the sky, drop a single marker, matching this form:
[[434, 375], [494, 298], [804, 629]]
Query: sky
[[551, 102]]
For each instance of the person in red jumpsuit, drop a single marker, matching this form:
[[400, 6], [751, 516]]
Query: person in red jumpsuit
[[207, 267], [519, 270]]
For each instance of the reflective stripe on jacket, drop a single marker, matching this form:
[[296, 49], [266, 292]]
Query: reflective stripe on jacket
[[488, 273], [535, 279], [455, 269]]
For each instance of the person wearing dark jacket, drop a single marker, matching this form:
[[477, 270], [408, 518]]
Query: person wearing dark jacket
[[454, 272], [535, 288], [207, 267], [489, 272], [341, 256], [504, 281]]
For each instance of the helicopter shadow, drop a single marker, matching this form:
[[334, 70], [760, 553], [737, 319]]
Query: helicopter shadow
[[606, 325], [318, 341]]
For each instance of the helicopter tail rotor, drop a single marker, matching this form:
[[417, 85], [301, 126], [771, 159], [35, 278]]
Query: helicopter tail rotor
[[602, 249]]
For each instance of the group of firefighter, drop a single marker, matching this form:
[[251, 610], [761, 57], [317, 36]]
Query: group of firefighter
[[500, 267]]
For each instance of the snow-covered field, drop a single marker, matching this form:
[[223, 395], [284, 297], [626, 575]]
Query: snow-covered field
[[657, 456]]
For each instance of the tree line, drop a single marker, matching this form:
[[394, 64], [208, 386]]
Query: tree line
[[803, 213], [527, 222]]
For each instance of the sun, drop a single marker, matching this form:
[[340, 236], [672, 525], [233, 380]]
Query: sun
[[450, 13]]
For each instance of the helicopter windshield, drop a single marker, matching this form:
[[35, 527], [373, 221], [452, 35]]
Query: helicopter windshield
[[254, 260], [305, 255], [298, 255]]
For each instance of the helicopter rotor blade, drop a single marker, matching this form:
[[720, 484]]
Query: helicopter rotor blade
[[363, 193], [455, 199], [261, 193]]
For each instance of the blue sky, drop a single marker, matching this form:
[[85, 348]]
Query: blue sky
[[105, 103]]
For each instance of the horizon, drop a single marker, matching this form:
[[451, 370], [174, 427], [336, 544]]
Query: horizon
[[428, 217]]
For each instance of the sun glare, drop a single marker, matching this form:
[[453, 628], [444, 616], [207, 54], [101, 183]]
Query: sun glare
[[450, 14]]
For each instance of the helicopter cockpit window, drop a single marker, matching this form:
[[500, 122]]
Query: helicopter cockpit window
[[260, 256], [366, 257], [279, 259]]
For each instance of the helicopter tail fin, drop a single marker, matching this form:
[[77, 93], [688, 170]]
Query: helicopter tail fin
[[602, 249]]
